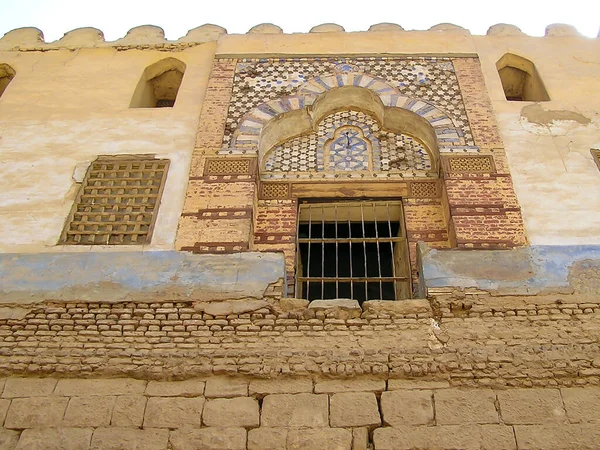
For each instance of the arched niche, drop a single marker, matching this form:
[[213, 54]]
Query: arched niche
[[7, 73], [159, 84], [520, 79]]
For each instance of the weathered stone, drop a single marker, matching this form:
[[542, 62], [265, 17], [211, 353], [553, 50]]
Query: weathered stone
[[116, 438], [8, 439], [497, 437], [280, 386], [468, 406], [234, 412], [295, 410], [89, 412], [558, 436], [187, 388], [265, 28], [293, 304], [360, 438], [129, 411], [174, 412], [351, 385], [407, 408], [401, 308], [36, 412], [28, 387], [531, 406], [394, 384], [472, 437], [209, 439], [224, 387], [582, 404], [82, 388], [267, 438], [55, 439], [354, 409], [235, 307], [4, 404], [322, 439], [342, 309], [327, 28]]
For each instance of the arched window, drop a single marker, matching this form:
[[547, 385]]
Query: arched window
[[520, 79], [7, 73], [159, 85]]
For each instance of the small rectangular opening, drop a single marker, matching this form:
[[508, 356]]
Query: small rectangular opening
[[353, 250]]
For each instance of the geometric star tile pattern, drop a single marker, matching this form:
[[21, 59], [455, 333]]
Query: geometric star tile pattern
[[428, 78], [388, 151]]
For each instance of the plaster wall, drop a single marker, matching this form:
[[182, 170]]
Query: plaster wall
[[555, 177], [66, 107]]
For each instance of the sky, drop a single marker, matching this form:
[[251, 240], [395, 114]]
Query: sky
[[176, 17]]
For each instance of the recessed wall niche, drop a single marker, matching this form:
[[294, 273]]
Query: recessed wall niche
[[520, 79], [159, 84]]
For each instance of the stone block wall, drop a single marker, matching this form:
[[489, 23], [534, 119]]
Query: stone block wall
[[235, 413]]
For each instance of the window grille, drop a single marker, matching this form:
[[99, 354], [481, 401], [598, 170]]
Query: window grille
[[117, 202], [352, 249]]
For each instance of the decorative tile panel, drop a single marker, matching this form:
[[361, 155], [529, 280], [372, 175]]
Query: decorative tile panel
[[428, 78], [229, 166], [424, 189], [473, 164], [117, 202], [394, 153], [274, 191]]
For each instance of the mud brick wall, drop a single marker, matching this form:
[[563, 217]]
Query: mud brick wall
[[510, 343], [484, 207]]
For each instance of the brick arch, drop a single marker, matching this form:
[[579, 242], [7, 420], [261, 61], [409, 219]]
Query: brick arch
[[248, 133]]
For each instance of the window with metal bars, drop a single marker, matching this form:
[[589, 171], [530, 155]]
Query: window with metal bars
[[117, 202], [352, 249]]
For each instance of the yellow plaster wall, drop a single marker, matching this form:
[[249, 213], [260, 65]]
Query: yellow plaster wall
[[62, 110], [67, 105], [555, 178]]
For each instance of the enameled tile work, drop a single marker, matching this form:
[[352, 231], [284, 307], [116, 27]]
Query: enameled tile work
[[428, 78]]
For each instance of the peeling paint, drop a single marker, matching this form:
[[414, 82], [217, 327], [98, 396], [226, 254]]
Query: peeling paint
[[137, 276], [537, 115]]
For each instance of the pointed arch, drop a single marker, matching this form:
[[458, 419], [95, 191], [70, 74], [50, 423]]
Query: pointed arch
[[7, 73], [520, 79], [159, 84]]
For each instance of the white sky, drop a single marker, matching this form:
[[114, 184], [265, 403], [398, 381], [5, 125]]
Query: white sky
[[176, 17]]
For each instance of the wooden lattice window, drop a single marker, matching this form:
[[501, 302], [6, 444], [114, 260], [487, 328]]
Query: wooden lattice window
[[118, 201], [352, 249]]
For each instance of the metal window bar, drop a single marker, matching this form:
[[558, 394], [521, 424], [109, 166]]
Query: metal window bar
[[378, 251], [362, 222], [387, 205], [329, 233]]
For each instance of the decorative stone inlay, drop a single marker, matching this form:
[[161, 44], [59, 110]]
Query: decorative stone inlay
[[371, 148], [274, 191], [424, 189], [468, 163], [229, 166], [429, 79]]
